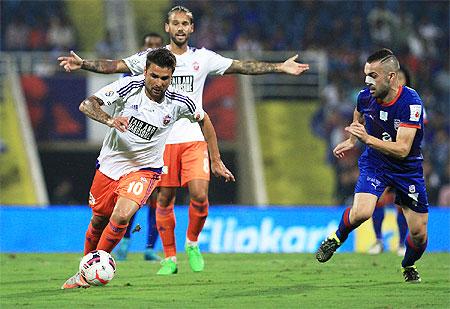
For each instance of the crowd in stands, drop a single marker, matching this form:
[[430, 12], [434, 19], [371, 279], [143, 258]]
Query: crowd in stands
[[348, 31], [36, 26]]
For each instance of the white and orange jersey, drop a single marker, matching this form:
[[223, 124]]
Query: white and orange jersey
[[190, 75], [149, 123]]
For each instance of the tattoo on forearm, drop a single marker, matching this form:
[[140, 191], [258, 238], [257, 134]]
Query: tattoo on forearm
[[91, 108], [100, 66], [253, 67]]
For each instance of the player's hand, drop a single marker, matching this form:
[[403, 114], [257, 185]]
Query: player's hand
[[70, 63], [358, 130], [119, 123], [220, 170], [341, 148], [292, 67]]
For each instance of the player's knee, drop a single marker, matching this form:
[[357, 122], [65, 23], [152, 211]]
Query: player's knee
[[199, 197], [419, 235], [99, 222], [120, 218], [165, 199], [360, 215]]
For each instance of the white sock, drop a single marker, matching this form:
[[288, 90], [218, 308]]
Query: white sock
[[191, 243], [173, 258]]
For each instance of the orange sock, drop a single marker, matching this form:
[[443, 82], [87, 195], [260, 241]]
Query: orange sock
[[92, 238], [197, 217], [111, 236], [165, 221]]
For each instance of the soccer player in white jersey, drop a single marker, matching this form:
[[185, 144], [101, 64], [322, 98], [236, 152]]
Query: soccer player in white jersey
[[131, 158], [185, 155]]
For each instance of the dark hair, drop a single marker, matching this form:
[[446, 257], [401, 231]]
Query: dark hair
[[162, 57], [152, 34], [407, 76], [180, 8], [387, 58], [382, 54]]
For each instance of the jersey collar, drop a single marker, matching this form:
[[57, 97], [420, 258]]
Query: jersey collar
[[392, 102]]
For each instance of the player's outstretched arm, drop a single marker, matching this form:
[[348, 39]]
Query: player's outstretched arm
[[91, 107], [250, 67], [217, 167], [73, 62]]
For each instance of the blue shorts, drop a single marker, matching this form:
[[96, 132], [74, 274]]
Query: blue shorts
[[409, 185]]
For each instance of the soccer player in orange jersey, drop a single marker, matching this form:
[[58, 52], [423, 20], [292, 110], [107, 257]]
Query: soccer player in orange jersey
[[131, 158], [185, 155]]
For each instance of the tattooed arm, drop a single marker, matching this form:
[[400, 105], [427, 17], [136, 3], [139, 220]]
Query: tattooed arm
[[91, 107], [75, 62], [290, 66]]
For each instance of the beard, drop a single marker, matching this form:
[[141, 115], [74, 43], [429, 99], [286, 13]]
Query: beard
[[179, 41]]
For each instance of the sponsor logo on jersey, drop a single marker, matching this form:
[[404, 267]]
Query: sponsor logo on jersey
[[135, 107], [383, 115], [196, 66], [414, 112], [396, 124], [184, 83], [140, 128], [412, 188], [167, 119]]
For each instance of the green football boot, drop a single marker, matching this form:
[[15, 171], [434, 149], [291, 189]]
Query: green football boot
[[168, 267], [195, 258]]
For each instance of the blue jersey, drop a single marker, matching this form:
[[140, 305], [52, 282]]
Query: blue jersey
[[384, 119]]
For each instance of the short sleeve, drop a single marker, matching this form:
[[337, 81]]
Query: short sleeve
[[359, 101], [217, 64], [110, 93], [412, 115], [136, 62]]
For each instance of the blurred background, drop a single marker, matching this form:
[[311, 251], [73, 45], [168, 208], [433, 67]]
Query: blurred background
[[276, 132]]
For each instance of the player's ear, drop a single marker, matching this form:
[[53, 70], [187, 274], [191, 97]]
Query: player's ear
[[166, 27], [192, 27]]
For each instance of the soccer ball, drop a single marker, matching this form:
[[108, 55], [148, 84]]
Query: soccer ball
[[97, 267]]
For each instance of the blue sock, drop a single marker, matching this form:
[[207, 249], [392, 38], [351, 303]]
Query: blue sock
[[152, 235], [345, 227], [402, 227], [130, 225], [377, 218], [413, 252]]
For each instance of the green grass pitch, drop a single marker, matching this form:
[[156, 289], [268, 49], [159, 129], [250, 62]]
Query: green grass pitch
[[230, 281]]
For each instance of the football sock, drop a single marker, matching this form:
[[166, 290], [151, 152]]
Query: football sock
[[129, 227], [165, 221], [402, 226], [152, 235], [111, 236], [345, 227], [413, 251], [197, 217], [92, 238], [377, 218]]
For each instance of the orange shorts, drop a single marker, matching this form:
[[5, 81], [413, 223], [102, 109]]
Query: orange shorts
[[184, 162], [136, 186]]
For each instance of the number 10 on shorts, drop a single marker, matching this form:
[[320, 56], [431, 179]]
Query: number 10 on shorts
[[135, 187]]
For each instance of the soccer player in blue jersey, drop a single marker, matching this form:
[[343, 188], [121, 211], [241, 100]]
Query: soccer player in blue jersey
[[388, 197], [389, 119]]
